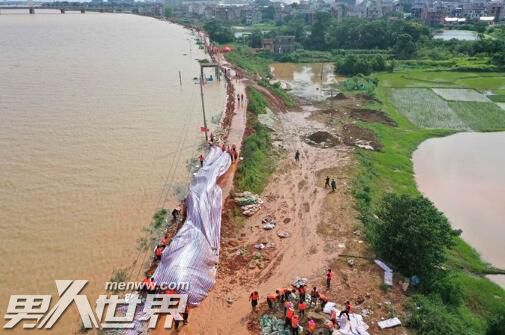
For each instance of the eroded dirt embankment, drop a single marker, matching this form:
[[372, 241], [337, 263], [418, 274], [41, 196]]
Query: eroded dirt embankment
[[323, 227]]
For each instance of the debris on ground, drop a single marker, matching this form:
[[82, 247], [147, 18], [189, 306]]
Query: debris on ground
[[388, 272], [249, 202], [389, 323], [298, 282], [283, 234], [268, 222], [355, 325]]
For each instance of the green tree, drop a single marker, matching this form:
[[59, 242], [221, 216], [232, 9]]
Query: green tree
[[218, 32], [404, 46], [255, 39], [412, 234], [167, 12], [319, 33]]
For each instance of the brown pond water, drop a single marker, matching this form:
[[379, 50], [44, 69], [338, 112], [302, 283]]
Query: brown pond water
[[310, 81], [464, 175], [93, 122]]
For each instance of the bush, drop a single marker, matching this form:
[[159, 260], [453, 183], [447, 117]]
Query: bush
[[497, 325], [428, 316], [412, 234]]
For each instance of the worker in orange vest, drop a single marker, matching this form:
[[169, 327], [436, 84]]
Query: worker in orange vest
[[281, 295], [271, 297], [254, 297], [323, 300], [295, 320], [289, 314], [311, 327], [302, 306], [333, 316]]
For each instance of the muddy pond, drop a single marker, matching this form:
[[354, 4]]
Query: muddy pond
[[312, 81], [464, 175]]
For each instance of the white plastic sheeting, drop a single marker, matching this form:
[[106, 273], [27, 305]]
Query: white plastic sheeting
[[193, 254]]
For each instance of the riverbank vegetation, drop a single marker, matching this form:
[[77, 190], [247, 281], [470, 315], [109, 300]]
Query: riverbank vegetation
[[458, 300], [258, 164]]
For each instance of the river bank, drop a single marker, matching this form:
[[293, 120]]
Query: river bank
[[389, 168]]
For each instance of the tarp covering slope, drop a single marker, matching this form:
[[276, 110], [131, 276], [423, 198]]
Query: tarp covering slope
[[193, 254]]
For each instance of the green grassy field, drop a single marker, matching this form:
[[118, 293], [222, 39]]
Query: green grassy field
[[412, 94], [391, 170]]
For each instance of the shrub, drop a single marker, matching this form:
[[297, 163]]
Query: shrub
[[412, 234], [428, 316]]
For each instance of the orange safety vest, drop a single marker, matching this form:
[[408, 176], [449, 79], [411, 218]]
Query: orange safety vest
[[271, 296], [290, 312], [302, 306], [294, 321], [301, 290], [254, 296], [312, 327]]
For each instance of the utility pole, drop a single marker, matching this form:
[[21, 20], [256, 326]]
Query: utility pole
[[203, 109]]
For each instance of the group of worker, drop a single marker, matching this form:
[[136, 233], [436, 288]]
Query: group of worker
[[240, 99], [288, 299], [333, 184]]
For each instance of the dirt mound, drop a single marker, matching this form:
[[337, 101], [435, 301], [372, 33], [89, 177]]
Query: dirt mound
[[370, 115], [322, 139], [360, 137], [338, 96]]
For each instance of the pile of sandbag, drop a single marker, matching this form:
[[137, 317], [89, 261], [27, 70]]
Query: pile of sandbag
[[249, 202], [271, 325]]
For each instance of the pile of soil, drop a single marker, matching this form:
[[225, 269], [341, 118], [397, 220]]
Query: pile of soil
[[322, 139], [360, 137], [370, 115]]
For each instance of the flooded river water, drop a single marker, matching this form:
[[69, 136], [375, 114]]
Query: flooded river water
[[93, 122], [463, 175]]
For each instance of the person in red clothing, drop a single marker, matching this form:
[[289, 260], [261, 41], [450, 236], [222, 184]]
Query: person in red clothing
[[289, 314], [254, 297], [295, 320], [347, 310], [201, 159], [329, 277], [271, 298], [333, 316], [302, 306], [159, 251]]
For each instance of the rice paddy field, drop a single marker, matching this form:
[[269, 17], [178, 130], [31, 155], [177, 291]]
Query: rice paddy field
[[448, 100], [426, 105]]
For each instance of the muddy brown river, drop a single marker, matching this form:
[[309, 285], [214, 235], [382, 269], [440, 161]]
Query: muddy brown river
[[464, 175], [94, 129]]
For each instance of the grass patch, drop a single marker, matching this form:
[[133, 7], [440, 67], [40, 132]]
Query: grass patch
[[391, 170], [256, 102], [257, 166], [497, 98], [481, 116], [246, 59]]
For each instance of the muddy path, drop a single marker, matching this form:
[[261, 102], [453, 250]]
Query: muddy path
[[323, 228], [313, 216]]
